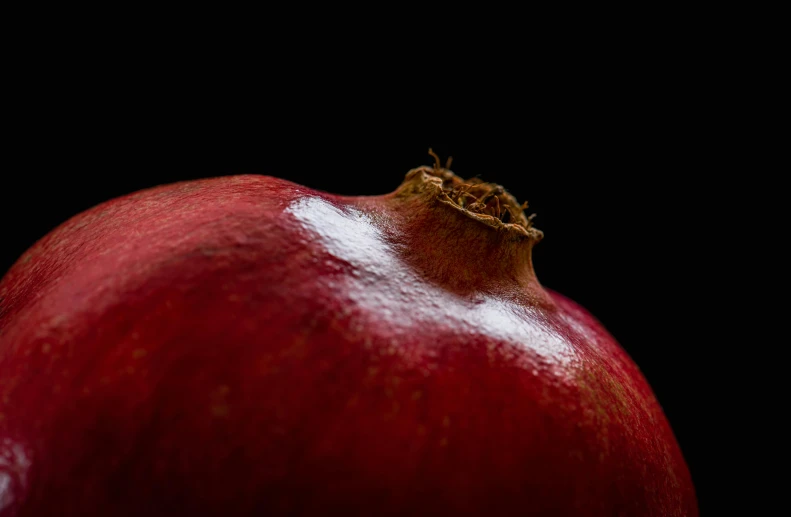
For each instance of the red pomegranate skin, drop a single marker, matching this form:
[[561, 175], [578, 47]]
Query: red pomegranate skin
[[247, 346]]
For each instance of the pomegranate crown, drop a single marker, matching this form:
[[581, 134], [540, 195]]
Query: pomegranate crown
[[488, 203]]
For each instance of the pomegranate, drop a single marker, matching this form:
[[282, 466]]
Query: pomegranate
[[247, 346]]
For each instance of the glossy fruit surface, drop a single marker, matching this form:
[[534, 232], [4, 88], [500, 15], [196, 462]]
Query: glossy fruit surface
[[247, 346]]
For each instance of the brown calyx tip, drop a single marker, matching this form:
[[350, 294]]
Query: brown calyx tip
[[486, 202]]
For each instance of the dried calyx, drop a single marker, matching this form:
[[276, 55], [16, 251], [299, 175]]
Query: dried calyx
[[486, 202]]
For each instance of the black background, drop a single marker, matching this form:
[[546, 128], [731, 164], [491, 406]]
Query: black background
[[622, 184]]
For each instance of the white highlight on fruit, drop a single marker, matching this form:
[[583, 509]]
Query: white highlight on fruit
[[387, 286], [14, 465]]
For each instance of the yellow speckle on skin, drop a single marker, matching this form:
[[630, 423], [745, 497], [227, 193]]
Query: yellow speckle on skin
[[421, 429], [45, 348], [417, 394], [130, 370], [446, 421], [139, 353], [220, 411], [219, 405], [443, 442], [2, 417]]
